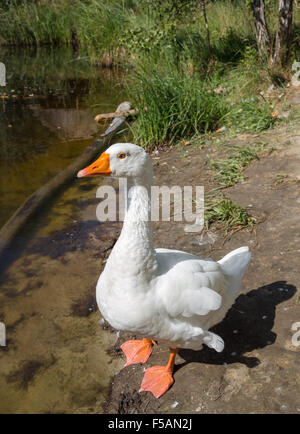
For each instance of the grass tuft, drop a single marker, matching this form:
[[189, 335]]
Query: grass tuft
[[177, 105], [251, 115], [229, 171], [220, 209]]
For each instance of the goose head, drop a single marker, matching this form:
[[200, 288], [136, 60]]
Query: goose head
[[121, 160]]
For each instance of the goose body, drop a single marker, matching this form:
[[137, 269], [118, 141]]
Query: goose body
[[169, 296], [183, 299]]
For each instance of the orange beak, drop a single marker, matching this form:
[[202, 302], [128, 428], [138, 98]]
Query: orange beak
[[98, 168]]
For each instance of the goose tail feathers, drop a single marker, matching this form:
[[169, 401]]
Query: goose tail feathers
[[235, 264]]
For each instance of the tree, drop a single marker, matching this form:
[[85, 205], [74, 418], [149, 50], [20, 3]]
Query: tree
[[203, 7], [284, 30], [283, 35], [261, 29]]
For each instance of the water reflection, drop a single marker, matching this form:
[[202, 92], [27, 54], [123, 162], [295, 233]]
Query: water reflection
[[46, 116]]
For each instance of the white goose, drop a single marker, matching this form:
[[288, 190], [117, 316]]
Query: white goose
[[165, 295]]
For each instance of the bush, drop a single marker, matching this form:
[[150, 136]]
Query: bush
[[177, 104]]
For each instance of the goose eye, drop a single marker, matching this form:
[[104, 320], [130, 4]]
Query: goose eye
[[121, 155]]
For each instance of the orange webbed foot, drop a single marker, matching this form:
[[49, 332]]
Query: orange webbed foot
[[157, 380], [137, 351]]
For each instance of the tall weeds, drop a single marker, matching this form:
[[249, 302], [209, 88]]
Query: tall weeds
[[29, 23], [187, 89], [177, 104]]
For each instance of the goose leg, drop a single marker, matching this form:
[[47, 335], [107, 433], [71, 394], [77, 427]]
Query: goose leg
[[137, 351], [159, 379]]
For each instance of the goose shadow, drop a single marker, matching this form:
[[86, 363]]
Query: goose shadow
[[246, 327]]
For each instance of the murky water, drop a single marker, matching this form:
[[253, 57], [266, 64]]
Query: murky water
[[56, 358], [46, 116]]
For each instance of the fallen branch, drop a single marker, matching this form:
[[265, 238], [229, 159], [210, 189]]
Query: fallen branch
[[122, 111], [33, 203], [106, 116]]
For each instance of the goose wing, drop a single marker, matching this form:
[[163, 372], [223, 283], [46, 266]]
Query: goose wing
[[192, 287]]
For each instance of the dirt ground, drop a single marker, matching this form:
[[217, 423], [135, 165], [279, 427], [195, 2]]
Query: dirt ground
[[258, 371]]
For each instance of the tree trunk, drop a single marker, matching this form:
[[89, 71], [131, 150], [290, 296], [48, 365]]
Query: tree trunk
[[261, 29], [203, 7], [283, 35]]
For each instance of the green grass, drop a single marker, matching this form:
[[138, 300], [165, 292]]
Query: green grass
[[29, 23], [183, 103], [131, 25], [99, 27], [96, 24], [177, 105], [219, 209], [174, 76], [229, 171], [251, 114], [181, 93], [138, 26]]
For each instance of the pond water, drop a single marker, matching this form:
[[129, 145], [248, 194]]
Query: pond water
[[56, 358], [46, 116]]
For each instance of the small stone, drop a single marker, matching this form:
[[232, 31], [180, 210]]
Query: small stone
[[283, 407], [175, 404], [264, 317]]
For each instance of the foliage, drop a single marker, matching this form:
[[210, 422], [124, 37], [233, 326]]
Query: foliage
[[220, 209], [164, 43], [178, 105]]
